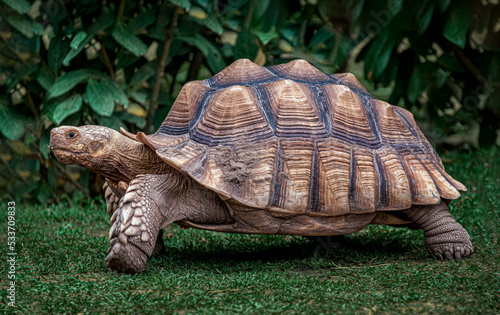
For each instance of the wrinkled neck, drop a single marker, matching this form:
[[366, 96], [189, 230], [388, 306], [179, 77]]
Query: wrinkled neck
[[126, 158]]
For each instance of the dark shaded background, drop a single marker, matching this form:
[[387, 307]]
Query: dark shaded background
[[122, 63]]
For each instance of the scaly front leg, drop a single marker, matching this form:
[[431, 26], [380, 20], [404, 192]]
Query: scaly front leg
[[137, 221], [113, 193]]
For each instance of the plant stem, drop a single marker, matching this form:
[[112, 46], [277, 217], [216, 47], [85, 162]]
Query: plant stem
[[248, 18], [31, 104], [105, 58], [121, 9], [194, 68], [161, 70]]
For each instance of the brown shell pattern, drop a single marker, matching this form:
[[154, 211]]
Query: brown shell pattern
[[295, 140]]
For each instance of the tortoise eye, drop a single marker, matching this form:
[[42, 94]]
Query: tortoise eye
[[71, 134]]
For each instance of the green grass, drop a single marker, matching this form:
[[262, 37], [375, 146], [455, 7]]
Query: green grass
[[61, 268]]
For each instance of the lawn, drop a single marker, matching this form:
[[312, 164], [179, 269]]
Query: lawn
[[61, 269]]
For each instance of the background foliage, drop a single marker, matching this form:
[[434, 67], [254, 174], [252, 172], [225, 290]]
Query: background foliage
[[122, 63]]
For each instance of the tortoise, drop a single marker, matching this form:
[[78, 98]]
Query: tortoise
[[285, 149]]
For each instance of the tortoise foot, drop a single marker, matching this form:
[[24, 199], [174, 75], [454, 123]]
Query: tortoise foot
[[126, 258], [451, 245], [451, 251], [445, 238]]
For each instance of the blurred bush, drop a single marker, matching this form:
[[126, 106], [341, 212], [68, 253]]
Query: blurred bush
[[122, 63]]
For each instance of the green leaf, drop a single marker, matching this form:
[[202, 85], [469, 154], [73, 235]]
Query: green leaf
[[321, 35], [211, 23], [103, 21], [20, 74], [260, 8], [112, 122], [425, 16], [186, 4], [441, 77], [145, 72], [57, 50], [66, 108], [233, 5], [450, 62], [207, 4], [78, 39], [443, 5], [21, 6], [390, 72], [265, 38], [43, 145], [44, 77], [74, 52], [124, 36], [24, 25], [100, 98], [125, 59], [133, 119], [422, 75], [11, 125], [356, 9], [115, 91], [69, 80], [245, 45], [457, 24], [214, 57], [379, 53], [143, 19], [394, 6]]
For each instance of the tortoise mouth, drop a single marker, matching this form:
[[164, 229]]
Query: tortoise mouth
[[59, 150], [65, 155]]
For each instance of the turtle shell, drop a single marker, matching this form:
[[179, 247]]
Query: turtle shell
[[292, 139]]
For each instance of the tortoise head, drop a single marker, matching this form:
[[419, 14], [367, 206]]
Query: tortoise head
[[105, 151], [85, 146]]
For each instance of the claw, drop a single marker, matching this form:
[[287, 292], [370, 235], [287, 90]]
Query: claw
[[438, 255], [122, 186], [107, 192], [113, 229], [109, 257], [448, 255], [468, 252]]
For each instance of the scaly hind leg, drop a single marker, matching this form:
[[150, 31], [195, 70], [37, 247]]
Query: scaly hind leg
[[113, 193], [444, 237]]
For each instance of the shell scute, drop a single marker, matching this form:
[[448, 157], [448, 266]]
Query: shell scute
[[349, 116], [232, 116], [363, 192]]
